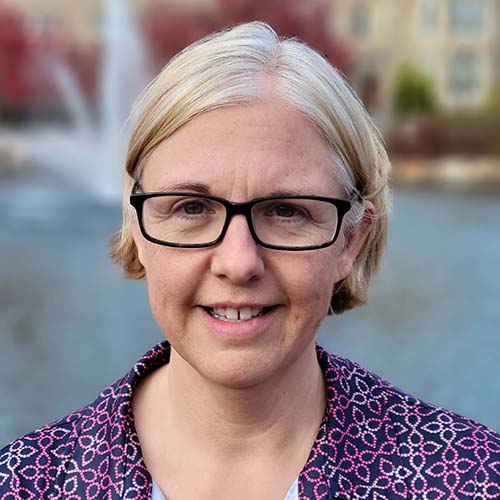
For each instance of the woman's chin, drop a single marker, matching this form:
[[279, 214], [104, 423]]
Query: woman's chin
[[235, 368], [245, 370], [240, 354]]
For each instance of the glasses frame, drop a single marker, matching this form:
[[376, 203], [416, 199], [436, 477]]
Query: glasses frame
[[245, 208]]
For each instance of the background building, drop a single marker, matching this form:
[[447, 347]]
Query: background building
[[455, 42]]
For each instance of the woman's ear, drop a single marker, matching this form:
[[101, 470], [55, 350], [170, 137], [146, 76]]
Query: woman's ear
[[354, 240], [133, 224]]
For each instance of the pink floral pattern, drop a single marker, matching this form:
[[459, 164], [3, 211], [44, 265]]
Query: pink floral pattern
[[375, 443]]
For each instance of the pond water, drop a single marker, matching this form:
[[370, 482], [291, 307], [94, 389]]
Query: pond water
[[70, 325]]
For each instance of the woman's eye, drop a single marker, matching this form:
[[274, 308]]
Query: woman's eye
[[193, 208], [287, 211]]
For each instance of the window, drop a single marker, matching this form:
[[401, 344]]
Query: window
[[463, 73], [360, 20], [429, 15], [467, 16]]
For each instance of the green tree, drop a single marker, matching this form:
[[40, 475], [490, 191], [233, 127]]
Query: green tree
[[413, 92]]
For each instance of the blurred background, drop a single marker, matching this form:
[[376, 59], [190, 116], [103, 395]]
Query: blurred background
[[428, 72]]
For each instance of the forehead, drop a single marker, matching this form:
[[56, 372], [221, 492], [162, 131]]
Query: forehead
[[243, 152]]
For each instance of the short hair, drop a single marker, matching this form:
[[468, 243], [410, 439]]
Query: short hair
[[234, 67]]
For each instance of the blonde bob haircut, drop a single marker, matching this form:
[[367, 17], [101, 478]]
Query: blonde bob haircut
[[238, 66]]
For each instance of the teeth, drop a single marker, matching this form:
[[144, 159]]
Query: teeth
[[220, 311], [245, 313], [231, 314]]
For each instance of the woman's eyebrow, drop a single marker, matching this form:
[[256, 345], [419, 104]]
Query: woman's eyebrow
[[295, 192], [195, 187], [199, 187]]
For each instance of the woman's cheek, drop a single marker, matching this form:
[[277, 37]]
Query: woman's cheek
[[315, 285]]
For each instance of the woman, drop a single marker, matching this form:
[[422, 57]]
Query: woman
[[256, 202]]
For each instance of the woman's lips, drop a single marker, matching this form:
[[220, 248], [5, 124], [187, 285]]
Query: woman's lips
[[238, 323], [233, 314]]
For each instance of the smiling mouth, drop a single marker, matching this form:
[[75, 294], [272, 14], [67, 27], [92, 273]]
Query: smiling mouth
[[232, 315]]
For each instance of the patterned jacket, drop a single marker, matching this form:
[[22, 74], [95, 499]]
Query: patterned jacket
[[375, 442]]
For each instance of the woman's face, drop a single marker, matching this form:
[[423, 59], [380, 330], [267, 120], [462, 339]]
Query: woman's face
[[240, 153]]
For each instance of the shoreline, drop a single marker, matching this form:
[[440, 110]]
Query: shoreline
[[455, 173]]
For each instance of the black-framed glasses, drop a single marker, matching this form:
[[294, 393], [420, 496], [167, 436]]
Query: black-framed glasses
[[193, 220]]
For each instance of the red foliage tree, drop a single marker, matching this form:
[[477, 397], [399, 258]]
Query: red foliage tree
[[170, 28], [15, 57], [27, 84], [306, 20], [25, 76]]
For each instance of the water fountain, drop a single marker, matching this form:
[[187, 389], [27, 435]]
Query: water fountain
[[90, 153], [126, 71]]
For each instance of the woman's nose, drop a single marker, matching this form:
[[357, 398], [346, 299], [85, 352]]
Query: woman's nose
[[238, 257]]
